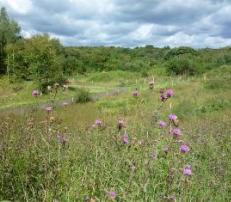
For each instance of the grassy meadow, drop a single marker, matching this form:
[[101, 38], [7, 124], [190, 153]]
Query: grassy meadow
[[77, 152]]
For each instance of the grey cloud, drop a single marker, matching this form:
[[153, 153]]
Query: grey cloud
[[164, 12], [129, 23]]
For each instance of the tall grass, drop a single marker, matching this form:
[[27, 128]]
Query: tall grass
[[60, 156]]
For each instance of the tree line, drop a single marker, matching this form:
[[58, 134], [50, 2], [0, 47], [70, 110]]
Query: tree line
[[46, 61]]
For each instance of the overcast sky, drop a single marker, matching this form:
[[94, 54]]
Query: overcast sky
[[129, 23]]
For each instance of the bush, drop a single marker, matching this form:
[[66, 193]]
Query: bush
[[180, 51], [43, 83], [144, 73], [83, 96], [181, 66]]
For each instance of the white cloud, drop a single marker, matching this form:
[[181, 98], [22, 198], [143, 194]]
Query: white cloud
[[142, 32], [18, 6], [126, 23]]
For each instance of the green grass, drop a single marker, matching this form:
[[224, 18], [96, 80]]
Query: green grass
[[95, 161], [19, 94]]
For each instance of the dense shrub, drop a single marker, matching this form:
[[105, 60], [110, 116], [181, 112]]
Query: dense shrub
[[180, 66], [83, 96], [180, 51]]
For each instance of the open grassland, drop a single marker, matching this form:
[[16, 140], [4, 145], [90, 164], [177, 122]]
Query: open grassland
[[61, 156], [19, 93]]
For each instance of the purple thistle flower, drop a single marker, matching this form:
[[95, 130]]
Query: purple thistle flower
[[162, 124], [176, 132], [184, 148], [187, 171], [169, 93], [172, 117], [125, 138], [35, 93], [163, 97], [112, 195], [135, 93], [49, 109], [98, 122]]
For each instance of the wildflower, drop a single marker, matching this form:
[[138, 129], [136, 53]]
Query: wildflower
[[112, 195], [184, 148], [163, 97], [172, 117], [135, 93], [187, 171], [162, 124], [48, 109], [125, 138], [169, 93], [35, 93], [98, 122], [120, 124], [176, 132]]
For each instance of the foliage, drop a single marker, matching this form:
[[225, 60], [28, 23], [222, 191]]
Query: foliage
[[83, 96], [35, 58], [9, 33], [60, 156], [179, 52], [39, 59], [218, 79], [182, 66]]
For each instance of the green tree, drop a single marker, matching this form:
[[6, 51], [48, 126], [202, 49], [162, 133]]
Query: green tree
[[39, 58], [9, 33], [182, 66]]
